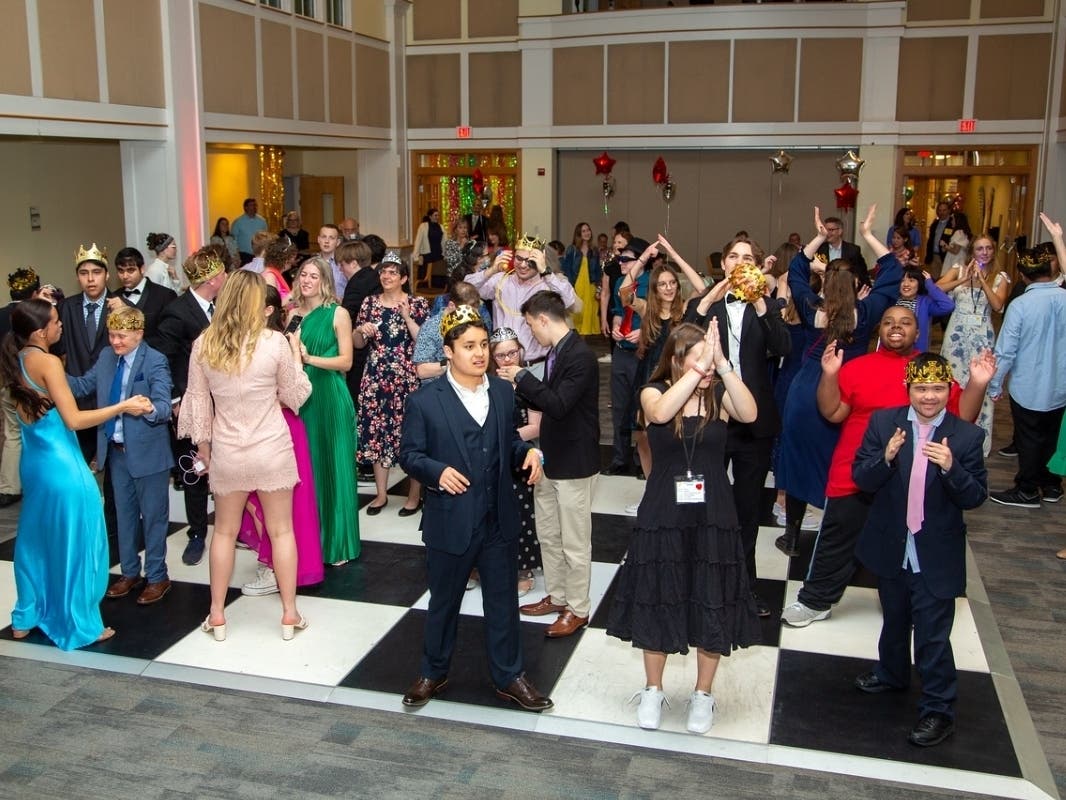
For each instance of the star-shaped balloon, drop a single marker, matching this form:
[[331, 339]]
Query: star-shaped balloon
[[659, 173], [780, 162], [850, 164], [846, 195], [604, 163]]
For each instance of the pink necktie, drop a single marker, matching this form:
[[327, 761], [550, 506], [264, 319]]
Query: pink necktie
[[916, 488]]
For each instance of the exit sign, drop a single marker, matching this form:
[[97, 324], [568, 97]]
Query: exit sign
[[967, 125], [463, 132]]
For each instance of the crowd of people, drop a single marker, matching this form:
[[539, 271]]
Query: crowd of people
[[274, 378]]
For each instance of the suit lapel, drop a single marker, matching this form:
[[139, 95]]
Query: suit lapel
[[450, 406]]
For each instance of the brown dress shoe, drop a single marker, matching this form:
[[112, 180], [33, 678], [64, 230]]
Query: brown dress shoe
[[541, 608], [423, 690], [154, 592], [123, 586], [522, 691], [567, 624]]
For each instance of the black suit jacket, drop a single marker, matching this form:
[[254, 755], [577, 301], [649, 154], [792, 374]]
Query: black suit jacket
[[430, 442], [179, 324], [762, 340], [851, 253], [941, 543], [152, 300], [570, 403]]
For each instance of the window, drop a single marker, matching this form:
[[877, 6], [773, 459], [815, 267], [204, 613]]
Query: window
[[335, 12], [304, 8], [270, 3]]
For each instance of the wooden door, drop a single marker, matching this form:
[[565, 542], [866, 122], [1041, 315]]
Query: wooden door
[[321, 202]]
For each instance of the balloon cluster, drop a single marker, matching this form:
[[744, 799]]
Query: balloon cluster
[[849, 165], [604, 164], [661, 175], [481, 191]]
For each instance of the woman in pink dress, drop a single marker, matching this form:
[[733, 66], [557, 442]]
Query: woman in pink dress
[[253, 533], [277, 257], [238, 373]]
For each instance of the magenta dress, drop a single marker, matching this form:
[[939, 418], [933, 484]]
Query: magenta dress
[[309, 569]]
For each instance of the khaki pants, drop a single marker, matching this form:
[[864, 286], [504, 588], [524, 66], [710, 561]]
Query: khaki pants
[[12, 452], [563, 511]]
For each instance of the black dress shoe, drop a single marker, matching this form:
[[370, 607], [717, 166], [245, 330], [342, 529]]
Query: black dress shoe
[[409, 512], [375, 510], [761, 608], [615, 469], [932, 729], [423, 690], [9, 499], [869, 682], [523, 692]]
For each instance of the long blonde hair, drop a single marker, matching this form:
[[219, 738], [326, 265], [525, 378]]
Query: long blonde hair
[[229, 341], [327, 291]]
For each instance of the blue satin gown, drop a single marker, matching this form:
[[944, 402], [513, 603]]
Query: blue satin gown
[[61, 557]]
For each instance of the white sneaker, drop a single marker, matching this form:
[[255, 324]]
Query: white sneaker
[[700, 712], [265, 583], [812, 520], [650, 710], [798, 615], [631, 510], [604, 359], [779, 513]]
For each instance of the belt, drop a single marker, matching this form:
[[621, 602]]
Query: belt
[[533, 361], [117, 445]]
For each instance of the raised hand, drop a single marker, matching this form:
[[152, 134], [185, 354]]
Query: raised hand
[[983, 366], [894, 444], [819, 228], [863, 293], [768, 264], [939, 453], [867, 225], [832, 359], [1053, 228], [662, 242]]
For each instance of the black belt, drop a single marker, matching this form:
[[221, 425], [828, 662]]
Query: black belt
[[117, 445], [533, 361]]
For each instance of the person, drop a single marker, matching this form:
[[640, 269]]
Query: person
[[581, 265], [221, 235], [939, 245], [454, 246], [179, 326], [835, 247], [429, 239], [246, 226], [899, 245], [349, 228], [135, 452], [568, 399], [305, 524], [428, 354], [294, 233], [276, 257], [682, 582], [611, 276], [61, 556], [459, 440], [388, 324], [261, 240], [1030, 351], [240, 373], [978, 288], [162, 270], [919, 292], [356, 260], [924, 467], [149, 297], [329, 237], [505, 350], [324, 344], [904, 224], [847, 395]]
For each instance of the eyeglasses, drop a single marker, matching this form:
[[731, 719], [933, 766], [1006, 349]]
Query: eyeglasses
[[833, 229], [519, 261], [508, 355], [666, 285]]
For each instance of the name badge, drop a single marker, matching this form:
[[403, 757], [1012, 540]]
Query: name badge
[[689, 488]]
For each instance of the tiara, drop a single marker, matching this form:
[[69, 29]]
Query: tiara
[[460, 315], [22, 279], [527, 242], [747, 282], [92, 254], [202, 267], [503, 335], [391, 257], [932, 371], [126, 319]]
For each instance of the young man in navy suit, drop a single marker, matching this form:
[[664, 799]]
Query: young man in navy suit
[[459, 440], [135, 451], [923, 466]]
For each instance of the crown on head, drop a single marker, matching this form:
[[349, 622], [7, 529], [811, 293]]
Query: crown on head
[[503, 335], [202, 266], [527, 242], [391, 257], [22, 279], [822, 257], [94, 253], [126, 319], [931, 371], [460, 315], [1031, 259], [747, 282]]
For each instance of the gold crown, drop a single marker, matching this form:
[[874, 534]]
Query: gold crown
[[202, 266], [1031, 259], [94, 253], [747, 282], [822, 257], [22, 279], [126, 319], [528, 242], [460, 315], [931, 371]]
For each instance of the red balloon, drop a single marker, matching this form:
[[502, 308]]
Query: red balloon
[[604, 163], [479, 181], [659, 173], [846, 195]]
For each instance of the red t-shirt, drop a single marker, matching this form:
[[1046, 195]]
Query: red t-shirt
[[867, 384]]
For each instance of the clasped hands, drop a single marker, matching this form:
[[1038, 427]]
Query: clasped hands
[[937, 452]]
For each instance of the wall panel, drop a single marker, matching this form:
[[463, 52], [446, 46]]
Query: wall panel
[[436, 19], [764, 80], [310, 82], [433, 91], [699, 82], [1012, 76], [492, 18], [996, 9], [635, 83], [917, 98], [277, 69], [937, 10], [339, 52], [496, 89], [577, 85], [372, 87], [68, 49], [227, 61], [830, 80], [14, 49]]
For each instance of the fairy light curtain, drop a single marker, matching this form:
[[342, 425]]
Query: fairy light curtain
[[271, 187], [453, 174]]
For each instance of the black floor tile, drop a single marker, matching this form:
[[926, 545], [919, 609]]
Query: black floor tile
[[390, 574], [7, 550], [798, 566], [610, 537], [599, 619], [816, 706], [773, 594]]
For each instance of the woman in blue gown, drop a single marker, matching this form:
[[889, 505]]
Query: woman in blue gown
[[61, 556]]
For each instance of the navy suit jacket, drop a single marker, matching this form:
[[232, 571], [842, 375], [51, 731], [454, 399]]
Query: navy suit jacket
[[147, 442], [941, 543], [430, 442]]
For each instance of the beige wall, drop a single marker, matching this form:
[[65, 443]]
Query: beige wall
[[77, 188], [14, 49]]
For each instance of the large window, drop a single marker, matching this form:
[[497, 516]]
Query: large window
[[335, 13], [270, 3], [304, 8]]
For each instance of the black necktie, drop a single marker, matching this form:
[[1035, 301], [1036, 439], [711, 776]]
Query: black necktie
[[211, 309], [90, 321]]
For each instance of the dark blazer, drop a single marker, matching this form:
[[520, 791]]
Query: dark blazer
[[430, 442], [941, 543], [852, 253], [80, 353], [570, 402], [935, 246], [762, 340], [360, 286], [152, 300], [179, 325], [147, 441]]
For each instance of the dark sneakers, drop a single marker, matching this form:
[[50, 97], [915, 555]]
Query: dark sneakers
[[1015, 497]]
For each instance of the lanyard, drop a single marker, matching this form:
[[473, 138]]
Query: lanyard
[[684, 439]]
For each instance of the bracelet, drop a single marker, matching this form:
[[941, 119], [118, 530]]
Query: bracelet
[[724, 370]]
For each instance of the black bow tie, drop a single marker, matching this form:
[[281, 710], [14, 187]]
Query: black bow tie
[[732, 298], [131, 292]]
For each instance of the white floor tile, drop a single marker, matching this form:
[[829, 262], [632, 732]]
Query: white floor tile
[[769, 561], [7, 590], [612, 493]]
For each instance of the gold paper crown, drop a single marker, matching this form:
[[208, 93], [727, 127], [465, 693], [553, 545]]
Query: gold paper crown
[[822, 257], [22, 279], [202, 266], [126, 319], [747, 282], [528, 242], [94, 253], [931, 371], [460, 315], [1031, 259]]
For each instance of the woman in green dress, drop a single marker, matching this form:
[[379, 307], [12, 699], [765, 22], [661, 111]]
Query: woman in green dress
[[325, 336]]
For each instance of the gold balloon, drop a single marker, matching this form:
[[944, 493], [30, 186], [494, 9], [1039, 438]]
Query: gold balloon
[[780, 162], [669, 189], [747, 282], [850, 164]]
